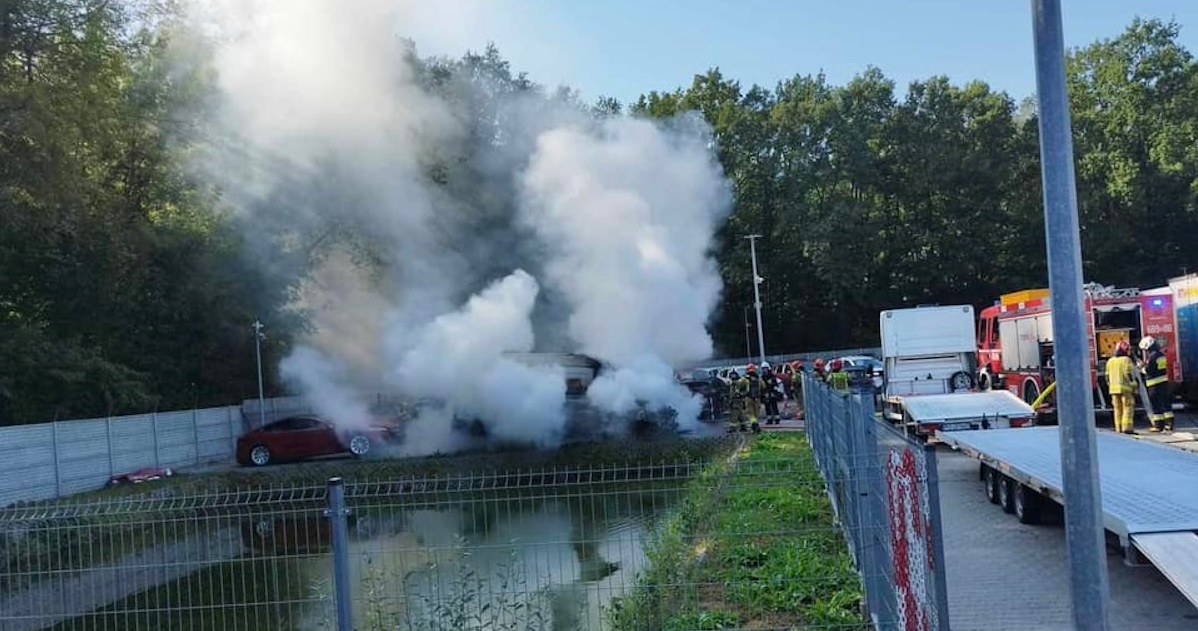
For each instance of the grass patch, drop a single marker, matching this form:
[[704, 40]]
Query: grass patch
[[752, 545]]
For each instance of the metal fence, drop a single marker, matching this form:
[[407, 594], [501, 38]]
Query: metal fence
[[744, 541], [883, 485]]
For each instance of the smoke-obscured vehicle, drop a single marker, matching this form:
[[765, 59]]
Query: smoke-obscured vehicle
[[302, 437], [713, 390]]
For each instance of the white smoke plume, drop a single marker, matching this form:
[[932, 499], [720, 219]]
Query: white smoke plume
[[326, 383], [328, 131], [459, 357], [628, 212]]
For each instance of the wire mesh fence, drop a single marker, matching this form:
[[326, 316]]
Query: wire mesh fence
[[884, 489], [746, 539]]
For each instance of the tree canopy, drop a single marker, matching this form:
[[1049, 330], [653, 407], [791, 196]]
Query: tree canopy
[[124, 284]]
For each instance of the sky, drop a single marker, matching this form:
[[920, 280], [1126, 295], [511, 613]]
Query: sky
[[625, 48]]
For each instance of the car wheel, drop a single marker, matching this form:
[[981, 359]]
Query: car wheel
[[359, 445], [260, 456]]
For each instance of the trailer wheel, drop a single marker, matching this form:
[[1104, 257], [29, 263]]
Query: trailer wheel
[[1027, 505], [1006, 493], [990, 483]]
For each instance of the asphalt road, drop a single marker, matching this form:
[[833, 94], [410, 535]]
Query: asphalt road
[[1005, 575]]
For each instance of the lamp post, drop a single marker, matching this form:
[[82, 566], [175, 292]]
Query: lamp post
[[258, 336], [757, 295]]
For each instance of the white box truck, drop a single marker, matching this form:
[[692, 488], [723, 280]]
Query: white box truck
[[930, 357]]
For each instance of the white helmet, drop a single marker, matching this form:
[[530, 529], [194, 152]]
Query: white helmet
[[1147, 342], [765, 365]]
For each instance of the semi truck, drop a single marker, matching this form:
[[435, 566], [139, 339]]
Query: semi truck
[[929, 361]]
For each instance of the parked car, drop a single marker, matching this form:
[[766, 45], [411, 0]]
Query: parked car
[[301, 437], [865, 363]]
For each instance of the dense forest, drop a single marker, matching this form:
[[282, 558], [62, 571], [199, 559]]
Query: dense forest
[[125, 285]]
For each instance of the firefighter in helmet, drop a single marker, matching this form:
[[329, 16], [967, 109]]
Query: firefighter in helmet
[[770, 386], [752, 387], [1156, 379], [819, 369], [1120, 380], [838, 378]]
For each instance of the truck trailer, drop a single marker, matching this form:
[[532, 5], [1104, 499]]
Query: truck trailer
[[1149, 499]]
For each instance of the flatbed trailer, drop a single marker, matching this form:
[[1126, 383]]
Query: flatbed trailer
[[1149, 491]]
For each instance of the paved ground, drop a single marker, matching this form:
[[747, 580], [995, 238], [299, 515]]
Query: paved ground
[[1004, 575]]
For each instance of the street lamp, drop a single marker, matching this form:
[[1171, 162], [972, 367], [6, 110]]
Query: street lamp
[[258, 337], [757, 295]]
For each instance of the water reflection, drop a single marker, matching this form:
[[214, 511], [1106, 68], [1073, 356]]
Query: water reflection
[[533, 562]]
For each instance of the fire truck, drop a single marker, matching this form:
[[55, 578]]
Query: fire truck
[[1015, 337]]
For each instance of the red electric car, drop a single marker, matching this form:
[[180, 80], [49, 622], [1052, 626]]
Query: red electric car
[[301, 437]]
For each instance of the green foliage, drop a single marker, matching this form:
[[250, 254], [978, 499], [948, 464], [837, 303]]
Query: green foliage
[[870, 201], [751, 545]]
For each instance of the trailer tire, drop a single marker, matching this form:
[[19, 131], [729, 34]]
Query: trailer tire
[[1027, 505], [961, 380], [990, 483], [1006, 493]]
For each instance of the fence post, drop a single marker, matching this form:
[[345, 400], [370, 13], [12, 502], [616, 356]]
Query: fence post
[[337, 514], [195, 431], [154, 425], [233, 433], [57, 473], [111, 455], [931, 468], [872, 568]]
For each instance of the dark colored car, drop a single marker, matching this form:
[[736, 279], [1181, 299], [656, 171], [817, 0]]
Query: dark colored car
[[300, 437], [715, 401]]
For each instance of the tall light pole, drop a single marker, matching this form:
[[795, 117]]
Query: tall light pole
[[1084, 538], [757, 295], [258, 335]]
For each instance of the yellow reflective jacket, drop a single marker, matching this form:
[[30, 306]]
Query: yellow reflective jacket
[[839, 380], [1119, 376]]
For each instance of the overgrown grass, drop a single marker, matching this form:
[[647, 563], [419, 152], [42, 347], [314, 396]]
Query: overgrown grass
[[751, 546]]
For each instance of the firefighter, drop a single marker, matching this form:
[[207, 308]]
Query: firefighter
[[796, 386], [769, 393], [736, 402], [819, 369], [1120, 381], [753, 390], [838, 378], [1156, 379]]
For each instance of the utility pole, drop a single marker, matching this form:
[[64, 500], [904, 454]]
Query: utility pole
[[1088, 583], [757, 295], [258, 335]]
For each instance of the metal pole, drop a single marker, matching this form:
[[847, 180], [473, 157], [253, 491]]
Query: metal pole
[[337, 514], [1079, 464], [757, 295], [258, 352]]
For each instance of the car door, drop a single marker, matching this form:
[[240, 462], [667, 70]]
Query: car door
[[313, 437]]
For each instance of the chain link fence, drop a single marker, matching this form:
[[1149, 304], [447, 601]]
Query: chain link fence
[[884, 488]]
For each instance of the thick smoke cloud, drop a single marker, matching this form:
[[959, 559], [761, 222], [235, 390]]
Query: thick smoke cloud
[[413, 214], [628, 212]]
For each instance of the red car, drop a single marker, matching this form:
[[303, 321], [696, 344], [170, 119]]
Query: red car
[[300, 437]]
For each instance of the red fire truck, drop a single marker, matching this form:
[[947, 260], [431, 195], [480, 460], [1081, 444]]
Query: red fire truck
[[1015, 339]]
